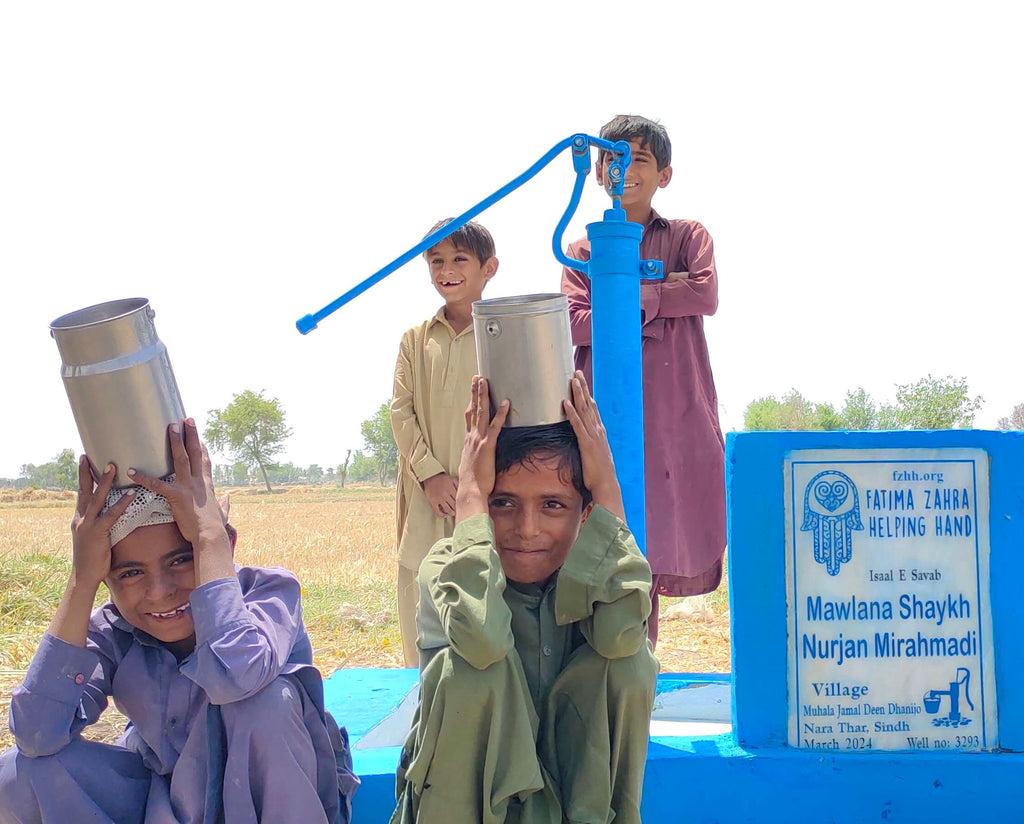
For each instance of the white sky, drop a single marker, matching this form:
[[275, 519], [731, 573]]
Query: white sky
[[243, 164]]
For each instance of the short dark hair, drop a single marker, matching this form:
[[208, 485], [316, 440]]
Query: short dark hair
[[523, 445], [470, 236], [650, 133]]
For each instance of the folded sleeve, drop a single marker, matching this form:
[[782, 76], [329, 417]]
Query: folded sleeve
[[696, 293], [65, 690], [243, 642], [462, 602], [605, 585]]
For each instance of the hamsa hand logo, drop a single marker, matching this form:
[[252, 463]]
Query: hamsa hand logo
[[831, 514]]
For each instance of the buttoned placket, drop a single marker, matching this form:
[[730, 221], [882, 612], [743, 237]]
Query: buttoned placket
[[456, 351], [549, 664], [178, 709]]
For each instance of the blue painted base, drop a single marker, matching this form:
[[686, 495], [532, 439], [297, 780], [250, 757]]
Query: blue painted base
[[713, 779], [360, 699], [710, 778]]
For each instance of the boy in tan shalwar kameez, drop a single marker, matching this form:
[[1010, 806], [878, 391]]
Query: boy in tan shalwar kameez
[[435, 368]]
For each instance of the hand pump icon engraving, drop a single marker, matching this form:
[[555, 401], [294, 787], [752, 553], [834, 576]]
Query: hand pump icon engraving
[[615, 270], [933, 700]]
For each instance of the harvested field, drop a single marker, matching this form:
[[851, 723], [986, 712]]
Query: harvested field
[[340, 545]]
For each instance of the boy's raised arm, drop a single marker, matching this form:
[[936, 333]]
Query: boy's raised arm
[[67, 684], [193, 501], [476, 467], [465, 583], [462, 602], [90, 564], [595, 452], [605, 582], [65, 690], [243, 641], [605, 585], [692, 290]]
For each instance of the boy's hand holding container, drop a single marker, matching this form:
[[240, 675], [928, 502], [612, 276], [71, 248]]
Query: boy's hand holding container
[[476, 471], [595, 452], [193, 502], [90, 527]]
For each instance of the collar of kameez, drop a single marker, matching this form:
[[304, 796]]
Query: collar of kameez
[[657, 220], [440, 318], [533, 594]]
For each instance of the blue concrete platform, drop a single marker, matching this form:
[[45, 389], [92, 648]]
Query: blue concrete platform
[[709, 778], [360, 699]]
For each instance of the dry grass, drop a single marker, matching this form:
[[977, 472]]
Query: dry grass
[[341, 547], [340, 544]]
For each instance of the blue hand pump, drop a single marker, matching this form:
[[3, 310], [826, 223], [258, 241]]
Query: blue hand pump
[[615, 269]]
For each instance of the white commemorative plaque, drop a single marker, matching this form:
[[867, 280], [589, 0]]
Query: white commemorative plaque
[[887, 577]]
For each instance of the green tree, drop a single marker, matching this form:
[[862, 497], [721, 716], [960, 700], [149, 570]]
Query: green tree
[[45, 476], [935, 403], [930, 403], [67, 469], [380, 441], [314, 474], [792, 412], [825, 417], [60, 473], [763, 415], [859, 411], [285, 473], [221, 475], [888, 417], [1015, 420], [33, 475], [363, 468], [251, 429], [239, 473]]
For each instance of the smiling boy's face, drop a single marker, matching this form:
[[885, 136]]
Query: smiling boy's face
[[643, 177], [151, 577], [457, 274], [537, 514]]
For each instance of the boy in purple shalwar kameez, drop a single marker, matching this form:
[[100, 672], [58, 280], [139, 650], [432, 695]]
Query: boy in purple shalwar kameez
[[210, 663], [683, 447]]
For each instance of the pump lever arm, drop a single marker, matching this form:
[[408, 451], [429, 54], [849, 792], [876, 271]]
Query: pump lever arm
[[581, 146]]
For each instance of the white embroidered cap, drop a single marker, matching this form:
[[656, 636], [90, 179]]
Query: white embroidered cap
[[146, 509]]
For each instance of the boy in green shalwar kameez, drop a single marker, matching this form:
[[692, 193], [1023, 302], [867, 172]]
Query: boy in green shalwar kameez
[[537, 680]]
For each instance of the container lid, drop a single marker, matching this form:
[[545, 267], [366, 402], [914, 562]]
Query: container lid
[[521, 305], [100, 313]]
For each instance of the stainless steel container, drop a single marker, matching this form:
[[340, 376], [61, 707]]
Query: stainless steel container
[[524, 349], [121, 386]]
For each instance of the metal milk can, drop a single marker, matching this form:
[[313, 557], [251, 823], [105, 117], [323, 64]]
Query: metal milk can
[[524, 349], [121, 386]]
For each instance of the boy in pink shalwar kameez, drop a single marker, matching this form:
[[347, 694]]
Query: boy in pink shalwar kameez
[[683, 445]]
